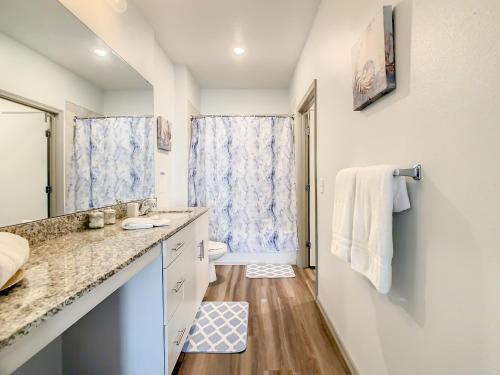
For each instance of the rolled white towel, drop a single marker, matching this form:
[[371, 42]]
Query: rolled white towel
[[14, 253], [137, 223], [159, 222], [213, 245], [144, 223]]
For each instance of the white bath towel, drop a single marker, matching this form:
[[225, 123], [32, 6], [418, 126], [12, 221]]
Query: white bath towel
[[157, 222], [144, 223], [378, 194], [343, 209], [14, 252]]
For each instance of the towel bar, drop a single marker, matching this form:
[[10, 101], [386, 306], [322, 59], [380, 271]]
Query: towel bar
[[415, 172]]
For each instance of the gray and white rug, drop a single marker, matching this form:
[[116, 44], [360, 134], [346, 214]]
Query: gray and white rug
[[269, 271], [219, 327]]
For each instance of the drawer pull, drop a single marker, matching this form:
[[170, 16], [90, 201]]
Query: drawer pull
[[178, 286], [178, 246], [180, 335], [202, 250]]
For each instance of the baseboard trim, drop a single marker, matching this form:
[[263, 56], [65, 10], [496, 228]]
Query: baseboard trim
[[238, 259], [347, 358]]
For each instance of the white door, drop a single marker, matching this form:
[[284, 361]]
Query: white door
[[312, 186], [24, 164]]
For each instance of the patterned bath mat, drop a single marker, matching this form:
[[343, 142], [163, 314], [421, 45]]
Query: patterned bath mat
[[269, 271], [219, 327]]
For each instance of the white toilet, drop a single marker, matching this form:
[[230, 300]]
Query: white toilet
[[215, 251]]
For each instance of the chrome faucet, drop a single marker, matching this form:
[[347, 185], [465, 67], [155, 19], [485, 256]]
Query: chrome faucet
[[147, 205]]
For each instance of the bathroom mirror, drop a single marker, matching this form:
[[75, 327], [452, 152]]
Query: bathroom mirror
[[76, 122]]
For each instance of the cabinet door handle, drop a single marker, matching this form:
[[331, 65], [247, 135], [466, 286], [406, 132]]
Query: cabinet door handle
[[178, 286], [202, 250], [180, 335], [178, 246]]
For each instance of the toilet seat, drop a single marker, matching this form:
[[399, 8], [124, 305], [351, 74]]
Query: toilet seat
[[216, 248], [213, 245], [215, 251]]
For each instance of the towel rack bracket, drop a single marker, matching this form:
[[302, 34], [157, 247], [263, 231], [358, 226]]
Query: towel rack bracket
[[415, 172]]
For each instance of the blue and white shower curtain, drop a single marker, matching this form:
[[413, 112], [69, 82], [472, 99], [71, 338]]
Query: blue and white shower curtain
[[243, 168], [112, 160]]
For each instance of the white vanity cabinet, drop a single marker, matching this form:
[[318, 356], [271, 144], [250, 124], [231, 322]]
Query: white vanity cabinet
[[185, 280], [135, 322]]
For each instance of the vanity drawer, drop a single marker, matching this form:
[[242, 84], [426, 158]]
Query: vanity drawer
[[176, 333], [174, 246], [174, 284]]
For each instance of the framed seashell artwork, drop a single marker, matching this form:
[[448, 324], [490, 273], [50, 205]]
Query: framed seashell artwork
[[164, 134], [373, 63]]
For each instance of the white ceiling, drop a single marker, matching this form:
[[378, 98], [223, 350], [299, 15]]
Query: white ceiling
[[51, 30], [202, 34]]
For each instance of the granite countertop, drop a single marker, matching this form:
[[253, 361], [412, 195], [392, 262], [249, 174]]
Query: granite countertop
[[61, 270]]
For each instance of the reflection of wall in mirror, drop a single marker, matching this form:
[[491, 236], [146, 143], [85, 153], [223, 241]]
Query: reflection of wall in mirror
[[128, 102], [54, 86], [51, 85], [64, 78], [23, 166]]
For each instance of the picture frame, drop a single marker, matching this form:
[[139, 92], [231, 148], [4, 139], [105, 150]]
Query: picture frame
[[164, 134], [373, 61]]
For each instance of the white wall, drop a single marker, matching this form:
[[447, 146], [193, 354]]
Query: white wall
[[187, 103], [126, 33], [441, 316], [128, 103], [164, 102], [37, 78], [244, 102]]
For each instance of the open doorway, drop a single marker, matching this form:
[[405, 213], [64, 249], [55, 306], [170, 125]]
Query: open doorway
[[307, 174]]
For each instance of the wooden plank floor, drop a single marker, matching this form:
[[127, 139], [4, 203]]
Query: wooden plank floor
[[287, 334], [310, 279]]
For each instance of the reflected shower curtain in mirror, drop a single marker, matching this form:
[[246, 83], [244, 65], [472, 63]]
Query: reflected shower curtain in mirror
[[112, 160], [243, 168]]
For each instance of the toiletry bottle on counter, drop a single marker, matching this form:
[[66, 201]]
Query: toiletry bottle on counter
[[109, 216], [132, 209], [96, 220]]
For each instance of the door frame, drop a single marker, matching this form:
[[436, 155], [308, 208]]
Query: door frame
[[52, 117], [309, 100]]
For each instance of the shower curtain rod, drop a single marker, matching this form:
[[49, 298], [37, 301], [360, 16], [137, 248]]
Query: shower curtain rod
[[98, 117], [270, 115]]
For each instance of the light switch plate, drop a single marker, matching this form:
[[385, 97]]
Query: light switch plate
[[162, 182]]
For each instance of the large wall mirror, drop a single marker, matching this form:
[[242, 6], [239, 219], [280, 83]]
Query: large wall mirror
[[76, 120]]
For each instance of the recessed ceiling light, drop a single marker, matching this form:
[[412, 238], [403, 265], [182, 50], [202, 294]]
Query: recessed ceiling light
[[101, 52], [239, 51]]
